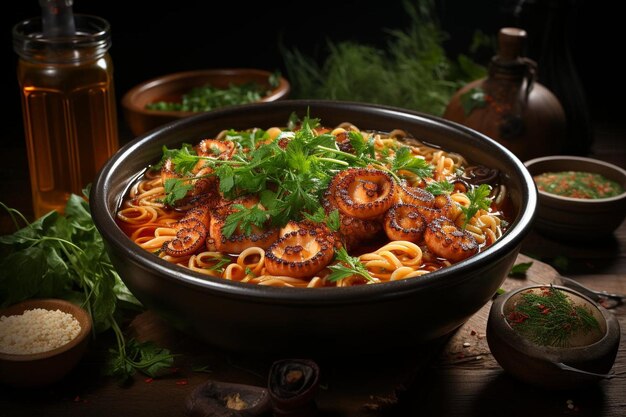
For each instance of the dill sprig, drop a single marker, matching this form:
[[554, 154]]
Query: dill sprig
[[412, 70], [549, 318]]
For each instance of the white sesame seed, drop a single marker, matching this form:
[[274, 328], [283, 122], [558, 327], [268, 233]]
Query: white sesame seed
[[36, 330]]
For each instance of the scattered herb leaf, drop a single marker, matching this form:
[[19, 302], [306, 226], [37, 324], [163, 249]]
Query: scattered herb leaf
[[520, 269]]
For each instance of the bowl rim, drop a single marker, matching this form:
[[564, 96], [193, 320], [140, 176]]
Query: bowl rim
[[582, 201], [66, 306], [280, 91], [510, 241]]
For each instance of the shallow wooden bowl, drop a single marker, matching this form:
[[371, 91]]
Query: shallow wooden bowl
[[39, 369], [171, 87]]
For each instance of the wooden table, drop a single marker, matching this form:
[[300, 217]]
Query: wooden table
[[452, 377]]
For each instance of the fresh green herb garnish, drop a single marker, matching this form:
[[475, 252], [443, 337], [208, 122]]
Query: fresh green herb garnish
[[244, 219], [176, 189], [63, 256], [331, 220], [549, 318], [208, 97], [347, 266], [479, 200], [290, 179], [404, 160], [440, 187]]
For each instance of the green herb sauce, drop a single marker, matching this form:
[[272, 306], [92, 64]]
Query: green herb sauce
[[577, 184]]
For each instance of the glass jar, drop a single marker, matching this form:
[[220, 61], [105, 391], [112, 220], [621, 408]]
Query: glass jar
[[68, 105]]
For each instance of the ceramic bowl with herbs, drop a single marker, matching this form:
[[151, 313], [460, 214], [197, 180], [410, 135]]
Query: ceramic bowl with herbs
[[553, 337], [178, 95], [579, 197], [41, 341]]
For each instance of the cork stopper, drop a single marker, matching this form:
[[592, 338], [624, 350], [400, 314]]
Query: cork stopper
[[510, 43]]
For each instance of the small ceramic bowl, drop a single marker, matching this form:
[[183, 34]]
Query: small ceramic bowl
[[39, 369], [578, 218], [172, 87], [587, 359]]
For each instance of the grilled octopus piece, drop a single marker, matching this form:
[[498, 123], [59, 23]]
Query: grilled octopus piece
[[365, 193], [404, 222], [191, 233], [220, 149], [445, 239], [414, 195], [300, 253], [238, 241]]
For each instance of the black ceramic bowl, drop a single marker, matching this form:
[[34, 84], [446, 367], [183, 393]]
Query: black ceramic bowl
[[247, 317]]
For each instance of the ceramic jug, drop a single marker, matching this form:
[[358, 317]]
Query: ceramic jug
[[509, 105]]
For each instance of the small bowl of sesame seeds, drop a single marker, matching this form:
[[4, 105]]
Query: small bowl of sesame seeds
[[41, 341]]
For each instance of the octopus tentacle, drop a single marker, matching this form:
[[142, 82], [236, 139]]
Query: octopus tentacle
[[403, 222], [445, 239], [365, 193], [191, 233], [415, 195], [300, 254], [352, 229]]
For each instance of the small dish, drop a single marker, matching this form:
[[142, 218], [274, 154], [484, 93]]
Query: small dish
[[43, 368], [225, 399], [171, 87], [586, 359], [569, 218]]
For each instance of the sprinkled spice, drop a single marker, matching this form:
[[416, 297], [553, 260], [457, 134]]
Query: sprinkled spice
[[577, 184]]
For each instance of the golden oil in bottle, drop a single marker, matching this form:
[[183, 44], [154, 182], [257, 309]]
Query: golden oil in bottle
[[69, 109]]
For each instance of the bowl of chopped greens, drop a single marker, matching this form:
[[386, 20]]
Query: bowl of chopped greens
[[579, 197], [175, 96]]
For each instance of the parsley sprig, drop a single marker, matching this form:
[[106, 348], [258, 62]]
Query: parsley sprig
[[479, 200], [347, 266], [63, 256]]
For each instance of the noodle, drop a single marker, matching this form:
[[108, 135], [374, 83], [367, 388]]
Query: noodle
[[153, 224]]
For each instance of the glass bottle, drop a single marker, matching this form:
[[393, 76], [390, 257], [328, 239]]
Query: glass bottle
[[510, 105], [68, 106]]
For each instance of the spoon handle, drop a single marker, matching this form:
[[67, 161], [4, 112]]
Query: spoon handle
[[565, 367], [593, 294]]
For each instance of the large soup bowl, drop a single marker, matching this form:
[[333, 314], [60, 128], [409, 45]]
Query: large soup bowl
[[246, 317]]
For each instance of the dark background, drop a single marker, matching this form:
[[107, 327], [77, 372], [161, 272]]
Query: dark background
[[153, 38]]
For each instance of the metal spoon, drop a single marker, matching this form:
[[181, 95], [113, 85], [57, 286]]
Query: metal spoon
[[568, 368], [597, 296]]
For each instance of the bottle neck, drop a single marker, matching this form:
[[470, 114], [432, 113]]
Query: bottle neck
[[91, 41], [512, 70]]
